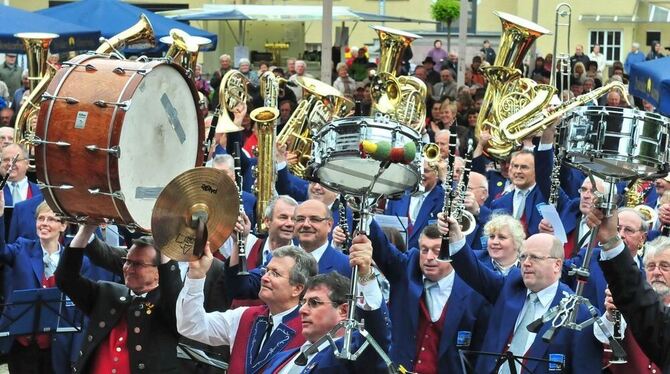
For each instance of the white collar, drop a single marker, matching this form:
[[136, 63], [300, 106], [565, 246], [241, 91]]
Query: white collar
[[546, 295], [446, 282], [279, 317], [317, 253], [527, 190]]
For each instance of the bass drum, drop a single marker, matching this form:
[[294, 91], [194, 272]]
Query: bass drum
[[111, 134]]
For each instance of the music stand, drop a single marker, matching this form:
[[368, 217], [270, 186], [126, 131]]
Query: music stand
[[507, 358], [186, 352], [39, 311]]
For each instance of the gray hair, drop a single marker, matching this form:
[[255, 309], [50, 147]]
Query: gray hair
[[224, 57], [305, 265], [300, 62], [501, 221], [227, 160], [636, 45], [244, 61], [656, 247], [270, 209], [644, 227]]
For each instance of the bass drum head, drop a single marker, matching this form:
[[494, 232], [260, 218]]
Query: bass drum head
[[158, 141]]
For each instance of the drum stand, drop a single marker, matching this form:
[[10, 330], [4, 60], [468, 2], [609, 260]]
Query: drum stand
[[565, 313], [362, 202]]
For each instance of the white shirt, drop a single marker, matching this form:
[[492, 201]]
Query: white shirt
[[414, 205], [544, 298], [600, 59], [50, 261], [438, 296], [23, 189], [317, 253], [519, 203]]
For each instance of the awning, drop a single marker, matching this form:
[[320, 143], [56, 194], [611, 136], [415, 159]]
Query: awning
[[650, 80], [71, 37], [300, 13]]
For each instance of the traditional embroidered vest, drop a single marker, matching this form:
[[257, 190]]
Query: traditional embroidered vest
[[638, 362], [428, 340], [250, 332]]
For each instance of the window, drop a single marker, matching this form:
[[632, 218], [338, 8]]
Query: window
[[610, 44]]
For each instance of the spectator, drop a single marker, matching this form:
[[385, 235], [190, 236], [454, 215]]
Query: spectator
[[579, 56], [201, 84], [579, 71], [433, 77], [300, 71], [451, 62], [598, 57], [634, 56], [589, 85], [10, 73], [654, 53], [6, 115], [54, 59], [225, 65], [433, 119], [245, 69], [489, 53], [4, 93], [344, 83], [447, 88], [477, 74], [359, 66], [25, 86], [438, 55], [290, 66]]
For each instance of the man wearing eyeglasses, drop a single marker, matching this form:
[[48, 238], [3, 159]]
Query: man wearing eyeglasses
[[518, 299], [323, 306], [18, 187], [254, 333], [645, 312], [132, 325], [475, 203]]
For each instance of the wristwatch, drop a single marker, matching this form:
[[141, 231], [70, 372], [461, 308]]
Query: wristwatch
[[365, 278], [610, 243]]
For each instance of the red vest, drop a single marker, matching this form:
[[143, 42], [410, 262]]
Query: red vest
[[112, 354], [428, 340], [569, 249], [254, 260], [243, 353], [638, 362]]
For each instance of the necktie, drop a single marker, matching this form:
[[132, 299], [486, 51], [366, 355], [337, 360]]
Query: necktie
[[266, 336], [518, 345], [519, 203], [429, 288], [305, 352], [16, 194], [417, 208]]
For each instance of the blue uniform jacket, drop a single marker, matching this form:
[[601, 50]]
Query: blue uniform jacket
[[431, 206]]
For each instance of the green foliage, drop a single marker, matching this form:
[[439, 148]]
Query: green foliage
[[445, 10]]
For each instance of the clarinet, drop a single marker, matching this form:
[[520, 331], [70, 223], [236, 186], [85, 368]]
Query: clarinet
[[210, 136], [344, 224], [449, 192], [616, 335], [241, 250]]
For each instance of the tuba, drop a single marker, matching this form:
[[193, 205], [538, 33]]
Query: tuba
[[321, 104], [40, 74], [232, 92], [184, 49], [401, 98], [141, 34]]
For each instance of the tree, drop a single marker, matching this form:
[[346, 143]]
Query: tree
[[446, 11]]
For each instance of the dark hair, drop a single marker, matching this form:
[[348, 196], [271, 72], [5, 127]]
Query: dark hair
[[337, 283], [431, 232], [147, 241]]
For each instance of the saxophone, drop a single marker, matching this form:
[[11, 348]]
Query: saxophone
[[266, 124]]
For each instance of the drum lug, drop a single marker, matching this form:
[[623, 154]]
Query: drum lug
[[67, 99], [54, 187], [88, 67], [114, 151], [121, 71], [104, 104], [117, 194], [35, 140]]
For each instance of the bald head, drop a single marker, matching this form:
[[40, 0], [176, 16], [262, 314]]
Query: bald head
[[541, 261], [479, 187], [6, 136], [442, 141]]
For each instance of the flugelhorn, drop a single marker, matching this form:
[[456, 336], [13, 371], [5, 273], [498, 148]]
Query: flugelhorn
[[40, 74], [141, 34], [184, 49], [232, 92]]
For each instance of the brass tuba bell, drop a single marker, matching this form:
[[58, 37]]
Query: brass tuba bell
[[264, 187], [184, 49], [141, 34]]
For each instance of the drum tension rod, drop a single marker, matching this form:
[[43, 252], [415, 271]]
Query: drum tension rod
[[96, 191], [104, 104], [34, 140], [67, 99], [42, 186], [114, 151], [120, 71], [87, 67]]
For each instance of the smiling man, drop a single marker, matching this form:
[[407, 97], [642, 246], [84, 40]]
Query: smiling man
[[254, 333]]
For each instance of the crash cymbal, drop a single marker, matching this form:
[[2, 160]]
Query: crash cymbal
[[205, 191]]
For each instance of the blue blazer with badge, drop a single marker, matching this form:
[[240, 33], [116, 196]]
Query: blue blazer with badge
[[581, 352], [495, 180], [376, 323], [248, 286], [539, 194], [467, 312], [431, 206]]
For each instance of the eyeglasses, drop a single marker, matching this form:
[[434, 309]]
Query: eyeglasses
[[314, 303], [48, 219], [7, 160], [314, 219], [136, 264], [475, 188], [626, 230], [585, 190], [271, 272], [534, 258], [663, 266]]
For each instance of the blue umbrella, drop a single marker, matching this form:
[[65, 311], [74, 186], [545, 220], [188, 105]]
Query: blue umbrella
[[114, 16], [72, 37], [650, 80]]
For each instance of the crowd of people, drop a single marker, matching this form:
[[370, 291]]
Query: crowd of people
[[428, 315]]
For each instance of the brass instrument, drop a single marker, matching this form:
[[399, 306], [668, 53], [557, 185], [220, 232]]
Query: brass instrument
[[321, 104], [402, 98], [515, 107], [270, 88], [40, 74], [449, 195], [563, 10], [464, 218], [139, 35], [265, 172], [431, 152], [184, 49], [232, 92]]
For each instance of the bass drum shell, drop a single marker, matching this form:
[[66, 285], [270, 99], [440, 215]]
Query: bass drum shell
[[118, 157]]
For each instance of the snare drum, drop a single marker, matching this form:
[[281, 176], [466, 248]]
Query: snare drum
[[111, 134], [616, 142], [340, 165]]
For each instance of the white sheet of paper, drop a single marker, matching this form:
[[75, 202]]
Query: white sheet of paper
[[549, 213], [396, 222]]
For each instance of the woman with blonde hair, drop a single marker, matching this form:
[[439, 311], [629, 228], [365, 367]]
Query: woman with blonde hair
[[505, 236]]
